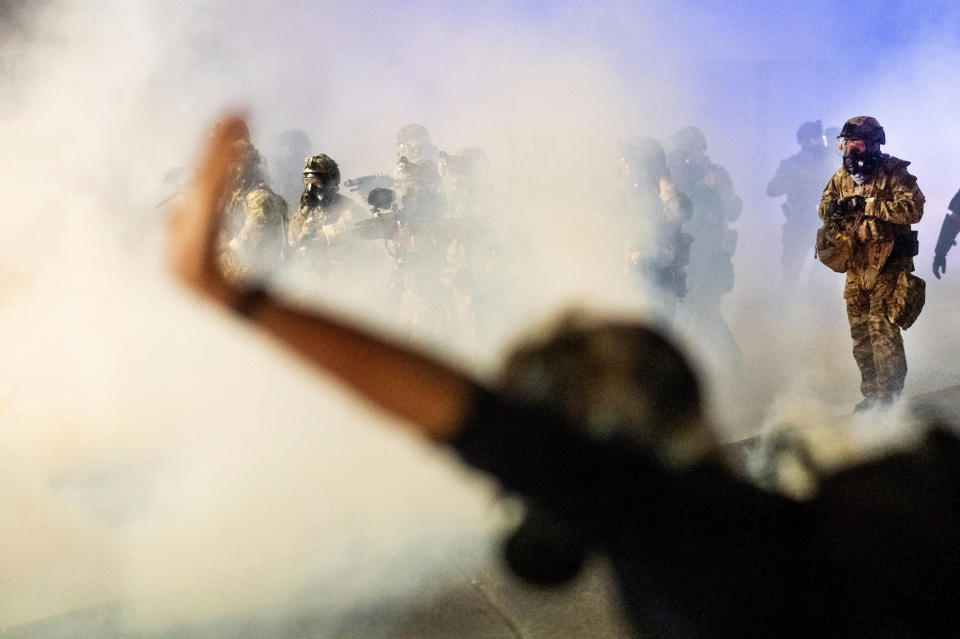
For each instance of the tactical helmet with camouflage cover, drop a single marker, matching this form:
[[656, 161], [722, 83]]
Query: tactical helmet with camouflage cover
[[611, 376], [248, 168], [415, 144], [863, 127], [324, 167]]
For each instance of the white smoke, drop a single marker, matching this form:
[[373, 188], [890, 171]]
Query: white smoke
[[157, 454]]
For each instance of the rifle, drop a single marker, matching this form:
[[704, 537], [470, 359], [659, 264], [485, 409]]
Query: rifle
[[366, 183]]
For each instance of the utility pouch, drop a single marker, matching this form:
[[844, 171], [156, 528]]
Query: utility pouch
[[833, 249], [907, 301]]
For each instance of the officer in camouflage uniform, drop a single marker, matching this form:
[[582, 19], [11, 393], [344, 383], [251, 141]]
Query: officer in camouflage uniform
[[710, 272], [657, 249], [319, 234], [870, 203], [801, 177], [252, 241], [948, 236], [414, 230], [476, 254]]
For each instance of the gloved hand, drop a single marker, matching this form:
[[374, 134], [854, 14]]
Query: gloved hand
[[309, 199], [852, 204], [939, 265], [831, 210]]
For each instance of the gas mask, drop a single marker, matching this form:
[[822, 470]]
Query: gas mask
[[859, 160], [314, 189]]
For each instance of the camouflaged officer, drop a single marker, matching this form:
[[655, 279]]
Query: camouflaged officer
[[801, 178], [252, 242], [867, 207], [710, 271], [419, 249], [319, 235], [476, 269], [657, 249], [715, 205]]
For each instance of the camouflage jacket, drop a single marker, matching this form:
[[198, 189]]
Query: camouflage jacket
[[254, 231], [315, 227], [893, 203]]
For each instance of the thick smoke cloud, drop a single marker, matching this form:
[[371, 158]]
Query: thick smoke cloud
[[147, 444]]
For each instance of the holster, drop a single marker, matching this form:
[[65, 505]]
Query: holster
[[908, 299], [905, 245]]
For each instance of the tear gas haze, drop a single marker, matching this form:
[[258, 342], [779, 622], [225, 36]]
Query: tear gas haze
[[159, 457]]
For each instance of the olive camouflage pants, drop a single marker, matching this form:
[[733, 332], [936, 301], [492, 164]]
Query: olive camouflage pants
[[877, 344]]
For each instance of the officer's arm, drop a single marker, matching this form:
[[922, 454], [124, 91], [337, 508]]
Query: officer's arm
[[778, 186], [730, 201], [906, 205], [333, 232], [831, 194], [430, 395]]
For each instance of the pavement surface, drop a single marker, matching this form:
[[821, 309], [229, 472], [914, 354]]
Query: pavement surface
[[472, 595]]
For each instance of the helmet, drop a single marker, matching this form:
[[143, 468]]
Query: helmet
[[614, 376], [863, 127], [381, 198], [248, 169], [645, 152], [808, 131], [689, 140], [415, 144], [324, 167]]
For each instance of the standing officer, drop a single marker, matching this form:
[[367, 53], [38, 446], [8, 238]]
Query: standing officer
[[867, 208]]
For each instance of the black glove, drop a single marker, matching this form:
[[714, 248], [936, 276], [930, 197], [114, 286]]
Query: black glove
[[939, 265], [831, 210], [947, 239], [852, 204]]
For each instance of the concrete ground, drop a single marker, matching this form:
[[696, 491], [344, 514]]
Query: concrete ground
[[471, 595]]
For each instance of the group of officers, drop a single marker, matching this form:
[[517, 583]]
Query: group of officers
[[433, 218], [430, 218]]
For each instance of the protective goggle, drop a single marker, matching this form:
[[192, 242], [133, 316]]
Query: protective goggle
[[852, 146]]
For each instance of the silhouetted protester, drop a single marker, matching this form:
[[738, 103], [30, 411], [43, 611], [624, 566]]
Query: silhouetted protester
[[599, 426], [948, 236]]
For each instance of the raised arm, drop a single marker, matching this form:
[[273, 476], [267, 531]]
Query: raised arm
[[427, 393]]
